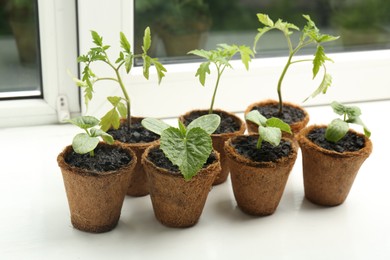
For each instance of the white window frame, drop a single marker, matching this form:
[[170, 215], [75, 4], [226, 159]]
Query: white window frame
[[357, 76], [58, 43]]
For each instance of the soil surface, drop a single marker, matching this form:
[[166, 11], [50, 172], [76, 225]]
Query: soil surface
[[289, 115], [246, 146], [107, 158], [137, 134], [158, 157], [228, 124], [350, 142]]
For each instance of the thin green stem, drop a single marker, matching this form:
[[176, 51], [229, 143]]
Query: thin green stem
[[279, 88], [127, 98], [216, 87]]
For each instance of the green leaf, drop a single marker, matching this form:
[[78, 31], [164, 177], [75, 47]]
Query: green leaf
[[155, 125], [147, 40], [122, 110], [272, 135], [125, 43], [100, 133], [204, 68], [159, 68], [114, 100], [264, 19], [146, 66], [189, 152], [182, 128], [323, 87], [336, 130], [319, 60], [110, 119], [128, 59], [357, 120], [201, 53], [97, 39], [83, 143], [257, 118], [338, 108], [84, 122], [246, 54], [278, 123], [352, 112], [209, 123]]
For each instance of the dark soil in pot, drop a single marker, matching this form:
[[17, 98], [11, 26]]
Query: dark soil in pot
[[267, 153], [138, 139], [105, 159], [289, 115], [349, 143], [136, 134], [292, 114], [230, 126]]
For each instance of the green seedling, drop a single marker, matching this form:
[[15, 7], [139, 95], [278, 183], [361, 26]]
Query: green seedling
[[220, 57], [186, 147], [270, 130], [338, 128], [124, 61], [87, 142], [310, 35]]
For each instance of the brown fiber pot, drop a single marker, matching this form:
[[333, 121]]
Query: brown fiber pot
[[219, 141], [295, 127], [258, 186], [138, 182], [328, 175], [95, 199], [176, 202]]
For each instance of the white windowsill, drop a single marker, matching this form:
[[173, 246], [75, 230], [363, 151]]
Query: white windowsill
[[35, 222]]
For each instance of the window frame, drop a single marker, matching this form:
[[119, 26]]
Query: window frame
[[180, 91], [58, 44]]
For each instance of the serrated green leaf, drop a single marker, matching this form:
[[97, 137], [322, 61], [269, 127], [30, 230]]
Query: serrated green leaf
[[201, 53], [128, 59], [159, 68], [82, 58], [110, 119], [125, 43], [246, 55], [271, 135], [204, 68], [84, 122], [147, 40], [336, 130], [257, 118], [189, 152], [278, 123], [155, 125], [97, 39], [122, 109], [319, 59], [209, 123], [114, 100], [146, 65], [83, 143], [323, 87], [264, 19]]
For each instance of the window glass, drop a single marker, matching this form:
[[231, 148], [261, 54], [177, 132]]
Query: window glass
[[182, 25], [19, 49]]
